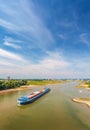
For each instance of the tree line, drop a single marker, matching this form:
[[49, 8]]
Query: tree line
[[8, 84]]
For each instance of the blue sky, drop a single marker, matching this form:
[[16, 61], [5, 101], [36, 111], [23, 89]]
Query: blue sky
[[45, 38]]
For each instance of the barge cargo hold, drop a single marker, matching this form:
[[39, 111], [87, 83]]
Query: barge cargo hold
[[32, 97]]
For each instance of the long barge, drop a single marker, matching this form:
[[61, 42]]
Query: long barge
[[26, 99]]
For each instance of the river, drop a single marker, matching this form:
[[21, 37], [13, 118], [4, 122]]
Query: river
[[53, 111]]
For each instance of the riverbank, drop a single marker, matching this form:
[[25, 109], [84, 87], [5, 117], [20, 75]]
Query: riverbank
[[33, 83], [16, 89], [83, 85], [82, 100]]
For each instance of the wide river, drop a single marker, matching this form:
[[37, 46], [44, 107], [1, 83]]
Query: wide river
[[53, 111]]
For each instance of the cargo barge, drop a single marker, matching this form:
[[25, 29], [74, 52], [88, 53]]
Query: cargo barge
[[26, 99]]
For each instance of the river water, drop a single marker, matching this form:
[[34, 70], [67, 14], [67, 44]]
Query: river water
[[53, 111]]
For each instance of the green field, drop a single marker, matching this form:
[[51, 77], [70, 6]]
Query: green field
[[43, 82], [9, 84]]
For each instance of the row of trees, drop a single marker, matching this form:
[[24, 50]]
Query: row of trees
[[7, 84]]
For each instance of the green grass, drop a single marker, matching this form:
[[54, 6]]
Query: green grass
[[43, 82], [84, 84], [84, 99]]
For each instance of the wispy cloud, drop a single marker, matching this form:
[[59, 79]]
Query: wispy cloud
[[6, 63], [7, 24], [32, 36], [11, 42], [69, 18], [26, 23], [53, 66], [84, 38], [54, 61], [62, 36], [10, 55], [50, 66], [47, 67]]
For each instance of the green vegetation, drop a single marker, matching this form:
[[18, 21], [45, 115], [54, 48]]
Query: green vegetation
[[84, 84], [84, 99], [8, 84], [88, 83], [43, 82]]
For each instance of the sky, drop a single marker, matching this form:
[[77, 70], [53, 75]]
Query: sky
[[45, 39]]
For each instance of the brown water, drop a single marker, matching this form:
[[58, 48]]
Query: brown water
[[53, 111]]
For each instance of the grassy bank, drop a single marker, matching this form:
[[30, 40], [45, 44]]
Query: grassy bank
[[84, 84], [43, 82], [16, 85]]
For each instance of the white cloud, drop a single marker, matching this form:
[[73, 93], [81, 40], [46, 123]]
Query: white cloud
[[53, 66], [25, 22], [7, 24], [6, 63], [54, 60], [10, 55], [11, 42], [83, 64], [11, 45], [84, 37], [69, 21], [21, 18], [62, 36]]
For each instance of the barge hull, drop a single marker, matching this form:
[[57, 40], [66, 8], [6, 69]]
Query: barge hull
[[34, 98]]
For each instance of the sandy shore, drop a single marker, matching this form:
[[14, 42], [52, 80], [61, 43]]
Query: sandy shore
[[82, 100], [16, 89], [83, 85]]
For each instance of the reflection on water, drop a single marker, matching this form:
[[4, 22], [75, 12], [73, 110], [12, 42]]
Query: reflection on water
[[53, 111]]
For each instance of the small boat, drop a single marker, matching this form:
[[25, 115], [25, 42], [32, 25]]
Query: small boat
[[26, 99]]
